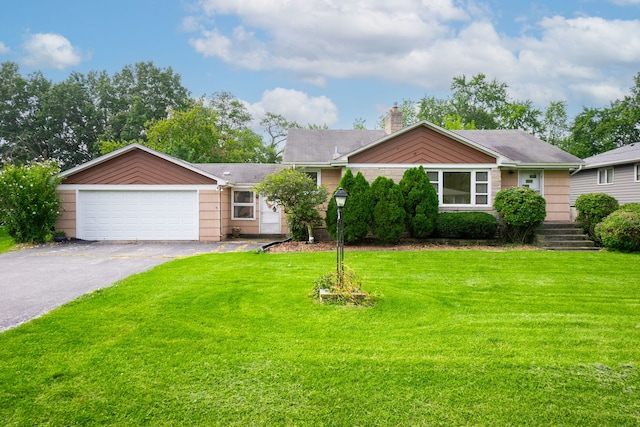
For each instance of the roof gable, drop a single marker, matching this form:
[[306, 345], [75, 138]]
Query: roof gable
[[423, 145], [137, 165]]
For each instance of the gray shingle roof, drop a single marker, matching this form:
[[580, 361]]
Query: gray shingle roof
[[306, 146], [239, 173], [626, 154], [519, 146], [322, 146]]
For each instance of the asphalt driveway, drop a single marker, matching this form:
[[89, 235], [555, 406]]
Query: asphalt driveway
[[34, 281]]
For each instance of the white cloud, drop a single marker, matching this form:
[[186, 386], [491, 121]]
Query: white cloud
[[4, 48], [48, 50], [626, 2], [295, 106], [587, 60]]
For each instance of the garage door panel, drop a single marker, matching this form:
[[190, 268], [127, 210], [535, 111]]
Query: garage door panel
[[138, 215]]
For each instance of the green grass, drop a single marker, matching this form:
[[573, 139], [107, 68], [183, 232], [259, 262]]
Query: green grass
[[6, 242], [458, 338]]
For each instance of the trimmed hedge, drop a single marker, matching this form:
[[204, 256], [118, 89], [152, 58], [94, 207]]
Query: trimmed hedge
[[620, 231], [466, 225], [522, 210]]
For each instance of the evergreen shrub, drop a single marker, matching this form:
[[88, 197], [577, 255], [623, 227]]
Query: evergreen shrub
[[420, 202], [388, 211], [466, 225]]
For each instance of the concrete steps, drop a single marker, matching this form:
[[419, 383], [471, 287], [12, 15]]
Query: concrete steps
[[563, 236]]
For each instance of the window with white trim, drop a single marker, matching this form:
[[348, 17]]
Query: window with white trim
[[243, 204], [637, 174], [314, 174], [468, 188], [605, 176]]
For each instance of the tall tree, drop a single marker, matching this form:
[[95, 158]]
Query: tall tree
[[138, 94], [276, 127], [23, 136], [65, 121], [597, 130]]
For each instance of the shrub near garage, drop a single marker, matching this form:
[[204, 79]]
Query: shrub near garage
[[620, 231], [466, 225], [593, 208], [28, 201]]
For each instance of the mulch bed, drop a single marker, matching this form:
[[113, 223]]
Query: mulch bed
[[326, 246]]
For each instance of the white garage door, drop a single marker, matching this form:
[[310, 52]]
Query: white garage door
[[137, 215]]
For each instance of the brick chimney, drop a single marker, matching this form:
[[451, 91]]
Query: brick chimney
[[393, 120]]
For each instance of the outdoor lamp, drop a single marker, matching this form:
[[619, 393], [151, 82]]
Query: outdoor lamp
[[341, 197]]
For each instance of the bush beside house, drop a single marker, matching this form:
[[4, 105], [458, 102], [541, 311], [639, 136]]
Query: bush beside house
[[29, 204], [593, 208], [466, 225], [521, 210]]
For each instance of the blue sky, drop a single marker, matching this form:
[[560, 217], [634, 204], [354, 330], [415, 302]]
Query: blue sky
[[332, 61]]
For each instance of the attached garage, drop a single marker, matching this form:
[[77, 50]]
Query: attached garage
[[136, 193], [137, 215]]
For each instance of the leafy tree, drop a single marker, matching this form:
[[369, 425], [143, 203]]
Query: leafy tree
[[420, 202], [136, 95], [298, 194], [388, 211], [65, 121], [556, 124], [23, 135], [595, 131], [28, 201], [479, 101], [357, 211], [359, 124], [276, 127]]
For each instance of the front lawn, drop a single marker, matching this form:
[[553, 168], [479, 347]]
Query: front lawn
[[6, 242], [457, 338]]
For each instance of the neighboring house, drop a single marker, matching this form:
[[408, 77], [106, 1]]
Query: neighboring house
[[615, 172], [136, 193]]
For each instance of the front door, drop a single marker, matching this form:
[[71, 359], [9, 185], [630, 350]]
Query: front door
[[531, 179], [269, 217]]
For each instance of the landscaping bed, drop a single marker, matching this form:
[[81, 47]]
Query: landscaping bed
[[405, 245]]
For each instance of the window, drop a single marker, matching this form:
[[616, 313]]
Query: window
[[482, 188], [461, 188], [637, 174], [605, 176], [314, 175], [243, 204], [456, 188]]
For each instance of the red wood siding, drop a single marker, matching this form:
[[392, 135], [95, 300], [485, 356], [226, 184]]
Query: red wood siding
[[138, 167], [422, 146]]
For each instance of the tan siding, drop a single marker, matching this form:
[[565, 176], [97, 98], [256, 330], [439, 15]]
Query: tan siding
[[138, 167], [422, 146], [330, 178], [509, 179], [67, 220], [246, 226], [210, 216], [556, 194]]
